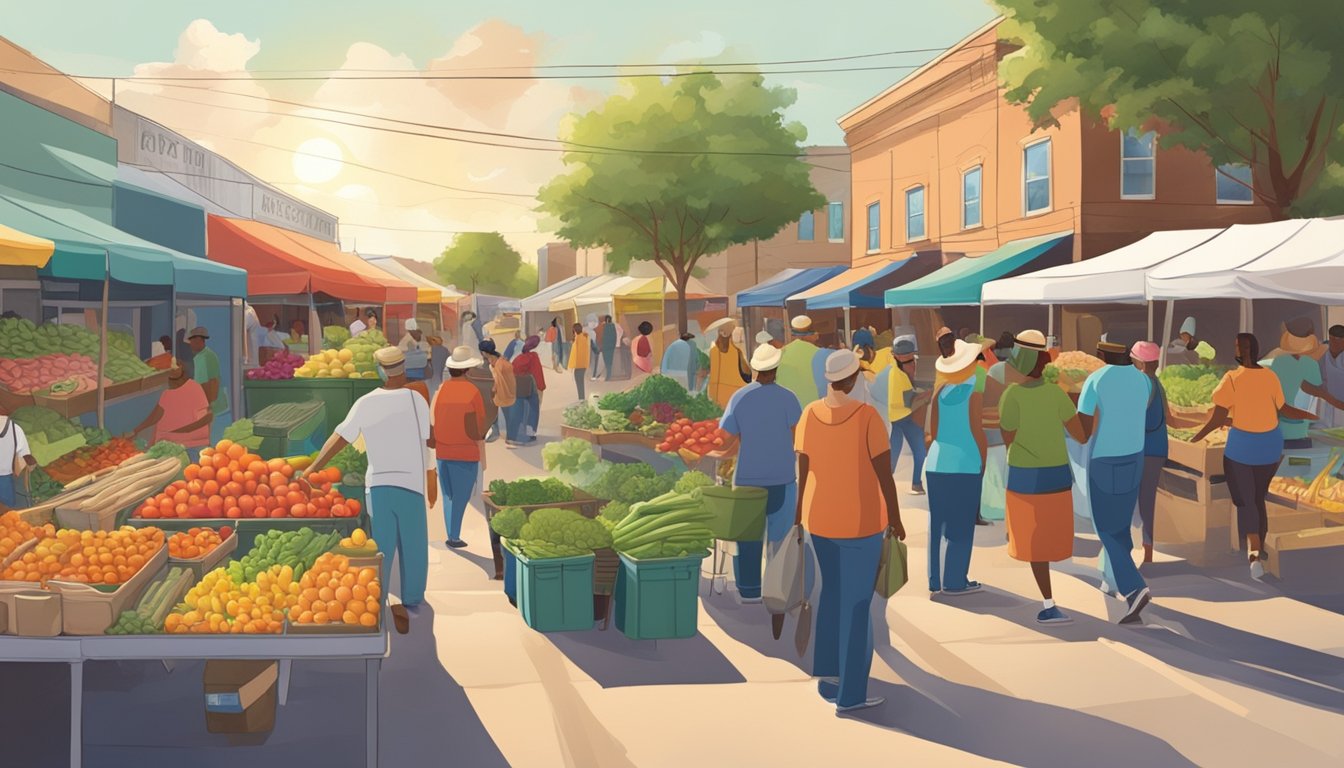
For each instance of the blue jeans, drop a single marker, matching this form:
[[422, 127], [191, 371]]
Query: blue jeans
[[781, 502], [906, 429], [400, 528], [7, 490], [533, 410], [954, 502], [844, 635], [1113, 491], [514, 416], [493, 432], [457, 479]]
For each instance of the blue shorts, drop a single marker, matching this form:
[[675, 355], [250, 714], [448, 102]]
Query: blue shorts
[[1254, 448], [1037, 480]]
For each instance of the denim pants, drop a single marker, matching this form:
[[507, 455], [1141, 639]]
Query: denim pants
[[1113, 491], [954, 503], [493, 432], [913, 434], [578, 380], [1152, 472], [844, 633], [514, 417], [533, 411], [457, 479], [781, 502], [7, 490], [400, 528]]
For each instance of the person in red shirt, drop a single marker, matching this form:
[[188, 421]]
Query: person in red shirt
[[527, 365], [458, 426], [182, 414]]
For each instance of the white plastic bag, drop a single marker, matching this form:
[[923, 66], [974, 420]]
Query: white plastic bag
[[782, 588]]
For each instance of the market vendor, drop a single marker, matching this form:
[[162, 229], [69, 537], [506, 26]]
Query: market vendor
[[205, 363], [15, 458], [1332, 377], [182, 414], [416, 348], [161, 354], [728, 371], [1294, 362], [1184, 350]]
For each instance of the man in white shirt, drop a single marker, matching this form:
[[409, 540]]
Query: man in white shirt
[[394, 422], [14, 454], [417, 350]]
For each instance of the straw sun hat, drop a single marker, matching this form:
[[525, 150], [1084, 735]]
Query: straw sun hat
[[963, 356]]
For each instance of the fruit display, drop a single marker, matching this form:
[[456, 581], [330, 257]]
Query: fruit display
[[550, 533], [357, 544], [296, 549], [126, 484], [1329, 495], [1190, 385], [279, 368], [1295, 488], [335, 592], [672, 525], [581, 416], [698, 437], [148, 615], [352, 463], [87, 557], [14, 530], [229, 482], [90, 459], [1215, 438], [529, 492], [59, 372], [195, 543], [220, 605], [334, 364]]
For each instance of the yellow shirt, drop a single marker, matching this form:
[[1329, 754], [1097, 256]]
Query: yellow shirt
[[881, 359], [898, 383], [578, 355], [725, 373]]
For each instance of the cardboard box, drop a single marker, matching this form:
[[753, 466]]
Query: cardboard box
[[1179, 481], [1179, 520], [1315, 553], [240, 695], [1282, 519], [1201, 458]]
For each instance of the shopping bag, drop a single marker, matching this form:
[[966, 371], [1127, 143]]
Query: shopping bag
[[802, 633], [893, 569], [782, 587]]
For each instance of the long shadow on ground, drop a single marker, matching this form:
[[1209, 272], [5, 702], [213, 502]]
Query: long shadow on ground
[[614, 660]]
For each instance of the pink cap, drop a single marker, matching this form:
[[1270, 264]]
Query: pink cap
[[1145, 351]]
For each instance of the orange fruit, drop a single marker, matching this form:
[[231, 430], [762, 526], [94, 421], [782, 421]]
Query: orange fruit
[[349, 617]]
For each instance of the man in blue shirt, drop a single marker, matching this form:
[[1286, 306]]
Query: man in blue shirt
[[760, 418], [1300, 374], [1112, 408]]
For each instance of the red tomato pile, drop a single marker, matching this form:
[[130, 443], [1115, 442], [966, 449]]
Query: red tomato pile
[[90, 459], [698, 437]]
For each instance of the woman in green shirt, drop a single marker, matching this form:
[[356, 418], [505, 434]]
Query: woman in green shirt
[[1033, 417]]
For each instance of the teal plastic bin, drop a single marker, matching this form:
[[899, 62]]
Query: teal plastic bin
[[556, 594], [657, 599], [739, 513], [301, 429]]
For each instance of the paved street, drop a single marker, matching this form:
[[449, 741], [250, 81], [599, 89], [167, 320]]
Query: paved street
[[1225, 672]]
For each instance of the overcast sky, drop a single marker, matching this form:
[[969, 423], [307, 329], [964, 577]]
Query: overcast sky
[[173, 37]]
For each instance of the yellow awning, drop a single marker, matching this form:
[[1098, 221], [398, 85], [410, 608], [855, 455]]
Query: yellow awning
[[661, 288], [18, 249]]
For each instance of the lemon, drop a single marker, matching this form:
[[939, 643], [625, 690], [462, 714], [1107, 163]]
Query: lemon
[[345, 355], [358, 537]]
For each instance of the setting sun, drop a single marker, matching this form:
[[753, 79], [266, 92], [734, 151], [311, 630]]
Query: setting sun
[[317, 161]]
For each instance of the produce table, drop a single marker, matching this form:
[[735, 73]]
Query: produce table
[[370, 647], [337, 394]]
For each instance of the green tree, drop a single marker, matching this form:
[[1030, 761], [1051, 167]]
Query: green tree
[[672, 171], [484, 262], [1245, 81]]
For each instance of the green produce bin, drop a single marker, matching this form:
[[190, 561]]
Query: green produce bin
[[739, 513], [556, 594], [337, 394], [290, 429], [656, 599]]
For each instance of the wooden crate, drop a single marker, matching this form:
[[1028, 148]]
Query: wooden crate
[[1282, 519], [1178, 520], [1313, 553], [1201, 458], [1188, 485]]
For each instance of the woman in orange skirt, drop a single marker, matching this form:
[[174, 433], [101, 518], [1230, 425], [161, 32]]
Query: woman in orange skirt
[[1033, 417]]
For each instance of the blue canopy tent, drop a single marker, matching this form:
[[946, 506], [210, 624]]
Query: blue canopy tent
[[766, 300]]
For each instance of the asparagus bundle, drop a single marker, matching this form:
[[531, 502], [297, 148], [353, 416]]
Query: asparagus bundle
[[671, 525]]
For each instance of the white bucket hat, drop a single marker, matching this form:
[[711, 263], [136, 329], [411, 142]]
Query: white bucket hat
[[801, 324], [963, 356], [766, 358], [841, 364], [464, 357]]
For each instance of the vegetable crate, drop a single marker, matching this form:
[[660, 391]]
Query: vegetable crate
[[287, 429], [199, 566], [583, 503], [338, 395], [556, 594], [90, 610], [656, 599], [510, 574], [246, 529], [739, 513]]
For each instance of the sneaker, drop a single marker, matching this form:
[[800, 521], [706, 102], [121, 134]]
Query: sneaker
[[981, 521], [492, 438], [1137, 602], [971, 586], [1053, 616], [1257, 570], [916, 490], [829, 688], [1106, 589], [455, 543], [872, 701], [748, 600]]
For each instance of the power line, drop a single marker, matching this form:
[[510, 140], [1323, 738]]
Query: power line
[[439, 231]]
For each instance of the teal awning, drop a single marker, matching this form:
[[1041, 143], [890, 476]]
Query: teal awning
[[82, 243], [958, 283], [160, 219]]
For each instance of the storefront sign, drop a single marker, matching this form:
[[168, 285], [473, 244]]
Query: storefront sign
[[284, 211]]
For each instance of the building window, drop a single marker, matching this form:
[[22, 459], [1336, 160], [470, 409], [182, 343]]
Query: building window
[[835, 222], [1138, 165], [1234, 184], [874, 227], [914, 214], [1036, 177], [806, 226], [970, 198]]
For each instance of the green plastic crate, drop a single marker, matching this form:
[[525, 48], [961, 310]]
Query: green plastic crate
[[305, 424], [556, 594], [338, 395], [657, 599], [739, 513]]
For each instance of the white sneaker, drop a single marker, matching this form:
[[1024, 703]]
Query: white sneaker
[[1257, 570], [873, 701]]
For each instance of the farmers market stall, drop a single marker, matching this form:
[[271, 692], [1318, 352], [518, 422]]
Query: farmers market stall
[[766, 300]]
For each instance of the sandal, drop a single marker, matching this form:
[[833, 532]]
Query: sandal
[[401, 619]]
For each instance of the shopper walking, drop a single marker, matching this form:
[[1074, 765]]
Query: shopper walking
[[1250, 398], [607, 338], [395, 425], [681, 362], [760, 419], [802, 369], [1145, 355], [531, 379], [955, 468], [846, 500], [556, 336], [579, 356], [504, 394], [1112, 408], [1039, 501], [641, 349], [728, 371], [905, 428], [459, 431]]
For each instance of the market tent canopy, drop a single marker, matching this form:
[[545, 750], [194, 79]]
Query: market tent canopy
[[541, 300], [656, 288], [776, 290], [86, 248], [565, 301], [597, 294], [18, 249], [860, 287], [281, 263], [1250, 261], [959, 283], [1116, 277], [159, 218], [426, 291], [162, 184]]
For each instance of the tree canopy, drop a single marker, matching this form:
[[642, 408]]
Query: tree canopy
[[673, 170], [484, 262], [1245, 81]]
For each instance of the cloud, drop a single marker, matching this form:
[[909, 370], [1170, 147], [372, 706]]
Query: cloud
[[706, 46]]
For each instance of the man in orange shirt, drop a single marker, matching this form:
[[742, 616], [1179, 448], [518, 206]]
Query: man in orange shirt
[[459, 434], [847, 501], [579, 355]]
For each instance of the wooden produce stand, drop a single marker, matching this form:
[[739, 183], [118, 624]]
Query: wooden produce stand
[[1194, 505]]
